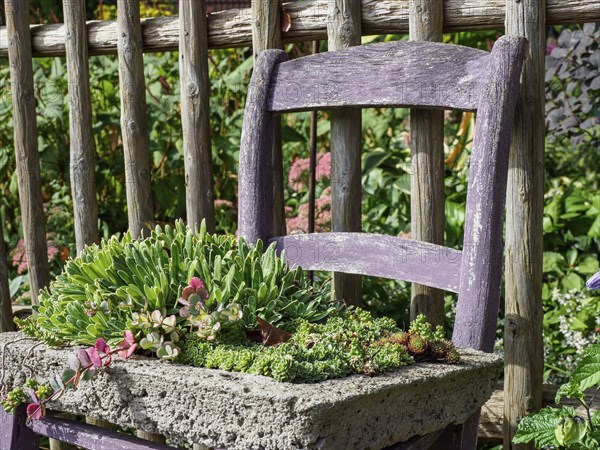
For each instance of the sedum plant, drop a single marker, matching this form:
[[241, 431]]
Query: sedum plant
[[352, 343], [121, 283]]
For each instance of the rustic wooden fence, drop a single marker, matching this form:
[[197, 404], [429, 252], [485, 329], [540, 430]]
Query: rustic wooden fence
[[342, 23]]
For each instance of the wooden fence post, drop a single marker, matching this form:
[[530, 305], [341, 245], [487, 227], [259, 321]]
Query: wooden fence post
[[134, 129], [344, 30], [266, 34], [82, 147], [523, 345], [82, 150], [195, 113], [6, 316], [134, 123], [427, 168], [26, 145]]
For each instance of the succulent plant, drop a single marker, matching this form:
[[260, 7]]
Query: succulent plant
[[83, 365], [98, 291]]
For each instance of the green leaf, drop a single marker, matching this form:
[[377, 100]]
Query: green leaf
[[571, 390], [540, 427], [587, 373]]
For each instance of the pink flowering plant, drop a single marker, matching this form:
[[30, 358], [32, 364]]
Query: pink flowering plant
[[83, 365]]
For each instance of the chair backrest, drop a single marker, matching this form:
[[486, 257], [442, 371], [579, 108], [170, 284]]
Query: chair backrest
[[399, 74]]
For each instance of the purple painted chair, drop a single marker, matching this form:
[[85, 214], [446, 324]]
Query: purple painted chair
[[400, 74]]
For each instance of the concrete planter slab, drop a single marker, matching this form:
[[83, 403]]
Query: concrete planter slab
[[241, 411]]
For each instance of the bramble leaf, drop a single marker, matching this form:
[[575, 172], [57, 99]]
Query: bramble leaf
[[587, 373], [540, 427]]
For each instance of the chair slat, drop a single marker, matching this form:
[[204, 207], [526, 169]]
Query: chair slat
[[401, 74], [195, 114], [89, 436], [375, 255], [266, 34], [82, 148], [26, 144], [134, 126]]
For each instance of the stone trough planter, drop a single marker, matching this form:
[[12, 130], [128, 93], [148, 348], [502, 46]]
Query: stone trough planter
[[241, 411]]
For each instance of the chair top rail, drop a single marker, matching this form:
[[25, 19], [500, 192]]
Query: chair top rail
[[375, 255], [417, 74]]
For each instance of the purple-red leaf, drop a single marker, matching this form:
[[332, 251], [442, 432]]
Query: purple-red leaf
[[35, 411], [74, 361], [129, 338], [126, 353], [101, 346], [83, 357], [94, 357]]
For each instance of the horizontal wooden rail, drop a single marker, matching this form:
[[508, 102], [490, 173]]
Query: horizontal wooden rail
[[233, 28], [90, 436], [398, 258]]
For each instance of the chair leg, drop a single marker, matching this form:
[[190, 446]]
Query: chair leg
[[14, 433], [470, 431], [451, 439]]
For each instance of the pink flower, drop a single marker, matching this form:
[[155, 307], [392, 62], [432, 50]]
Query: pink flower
[[298, 175], [324, 167]]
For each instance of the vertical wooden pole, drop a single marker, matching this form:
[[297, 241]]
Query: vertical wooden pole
[[523, 345], [427, 181], [134, 126], [266, 34], [134, 129], [344, 29], [26, 145], [82, 150], [83, 184], [195, 113], [312, 181], [6, 316]]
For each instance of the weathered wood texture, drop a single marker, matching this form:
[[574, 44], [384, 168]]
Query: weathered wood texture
[[394, 76], [89, 436], [266, 35], [427, 165], [134, 126], [492, 413], [344, 31], [255, 187], [14, 434], [498, 74], [195, 114], [82, 148], [233, 28], [479, 295], [523, 341], [6, 315], [375, 255], [26, 144]]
